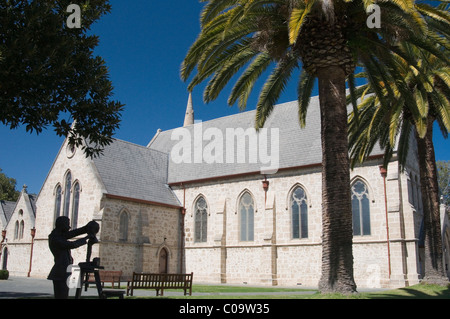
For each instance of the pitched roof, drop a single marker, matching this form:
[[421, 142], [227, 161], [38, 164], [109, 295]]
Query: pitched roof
[[297, 147], [33, 198], [133, 171], [7, 209]]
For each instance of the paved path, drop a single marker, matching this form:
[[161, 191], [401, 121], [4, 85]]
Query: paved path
[[22, 287]]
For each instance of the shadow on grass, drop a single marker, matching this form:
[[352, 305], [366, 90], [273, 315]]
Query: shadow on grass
[[421, 291]]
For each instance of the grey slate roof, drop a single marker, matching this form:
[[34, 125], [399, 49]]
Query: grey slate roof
[[297, 146], [7, 209], [133, 171]]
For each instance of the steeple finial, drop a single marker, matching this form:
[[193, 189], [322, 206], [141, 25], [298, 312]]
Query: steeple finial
[[189, 117]]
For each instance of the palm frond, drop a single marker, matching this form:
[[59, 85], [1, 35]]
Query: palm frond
[[304, 91], [297, 18], [244, 85], [272, 89]]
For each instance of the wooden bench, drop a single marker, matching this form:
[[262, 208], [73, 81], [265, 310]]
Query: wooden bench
[[160, 282], [110, 276]]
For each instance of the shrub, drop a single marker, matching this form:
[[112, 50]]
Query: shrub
[[4, 274]]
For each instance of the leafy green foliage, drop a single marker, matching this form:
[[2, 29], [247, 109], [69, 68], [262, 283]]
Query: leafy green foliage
[[388, 110], [4, 274], [279, 36], [49, 76], [8, 188]]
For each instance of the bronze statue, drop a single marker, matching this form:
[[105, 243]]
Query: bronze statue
[[60, 247]]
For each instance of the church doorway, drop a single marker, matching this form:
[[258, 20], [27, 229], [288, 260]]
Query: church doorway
[[163, 261], [4, 259]]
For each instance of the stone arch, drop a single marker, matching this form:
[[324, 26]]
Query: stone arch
[[365, 181], [293, 188], [195, 201], [124, 224], [242, 193]]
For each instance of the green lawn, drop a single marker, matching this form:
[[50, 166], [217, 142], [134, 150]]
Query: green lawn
[[421, 291]]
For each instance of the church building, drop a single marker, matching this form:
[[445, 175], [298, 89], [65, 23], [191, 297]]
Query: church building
[[225, 202]]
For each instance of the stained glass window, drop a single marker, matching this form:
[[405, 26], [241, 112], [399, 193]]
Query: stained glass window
[[67, 194], [75, 205], [299, 211], [201, 220], [360, 208], [246, 211]]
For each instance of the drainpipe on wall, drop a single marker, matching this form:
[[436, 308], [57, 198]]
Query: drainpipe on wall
[[383, 172], [265, 183], [182, 234], [33, 233], [404, 250]]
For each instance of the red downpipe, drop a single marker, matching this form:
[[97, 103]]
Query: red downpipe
[[383, 172], [33, 233], [183, 213]]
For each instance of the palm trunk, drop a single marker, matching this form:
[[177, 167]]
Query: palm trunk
[[337, 233], [433, 264]]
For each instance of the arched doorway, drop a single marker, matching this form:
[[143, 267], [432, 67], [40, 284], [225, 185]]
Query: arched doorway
[[163, 261], [5, 259]]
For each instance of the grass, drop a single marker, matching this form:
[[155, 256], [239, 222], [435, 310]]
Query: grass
[[421, 291]]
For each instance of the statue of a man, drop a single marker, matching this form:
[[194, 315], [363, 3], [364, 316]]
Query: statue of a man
[[60, 247]]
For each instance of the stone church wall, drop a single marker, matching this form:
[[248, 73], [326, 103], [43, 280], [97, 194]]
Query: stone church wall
[[151, 228], [91, 191], [274, 257], [18, 239]]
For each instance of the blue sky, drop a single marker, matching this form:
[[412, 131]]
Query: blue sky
[[143, 43]]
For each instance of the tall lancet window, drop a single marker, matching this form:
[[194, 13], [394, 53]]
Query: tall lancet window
[[58, 197], [299, 211], [360, 208], [75, 205], [123, 226], [67, 190], [201, 220], [247, 212], [16, 230]]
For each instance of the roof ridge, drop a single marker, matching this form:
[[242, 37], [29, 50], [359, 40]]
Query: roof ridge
[[227, 116], [139, 146]]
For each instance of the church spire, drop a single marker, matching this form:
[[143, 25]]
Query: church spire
[[189, 118]]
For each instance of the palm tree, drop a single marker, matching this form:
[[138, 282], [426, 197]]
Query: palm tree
[[324, 39], [391, 118]]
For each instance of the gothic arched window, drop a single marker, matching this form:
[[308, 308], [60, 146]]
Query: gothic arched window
[[201, 220], [123, 226], [16, 230], [247, 212], [75, 205], [67, 189], [58, 196], [21, 228], [299, 212], [360, 208]]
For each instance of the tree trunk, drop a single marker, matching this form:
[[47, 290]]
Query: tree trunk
[[337, 232], [433, 263]]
